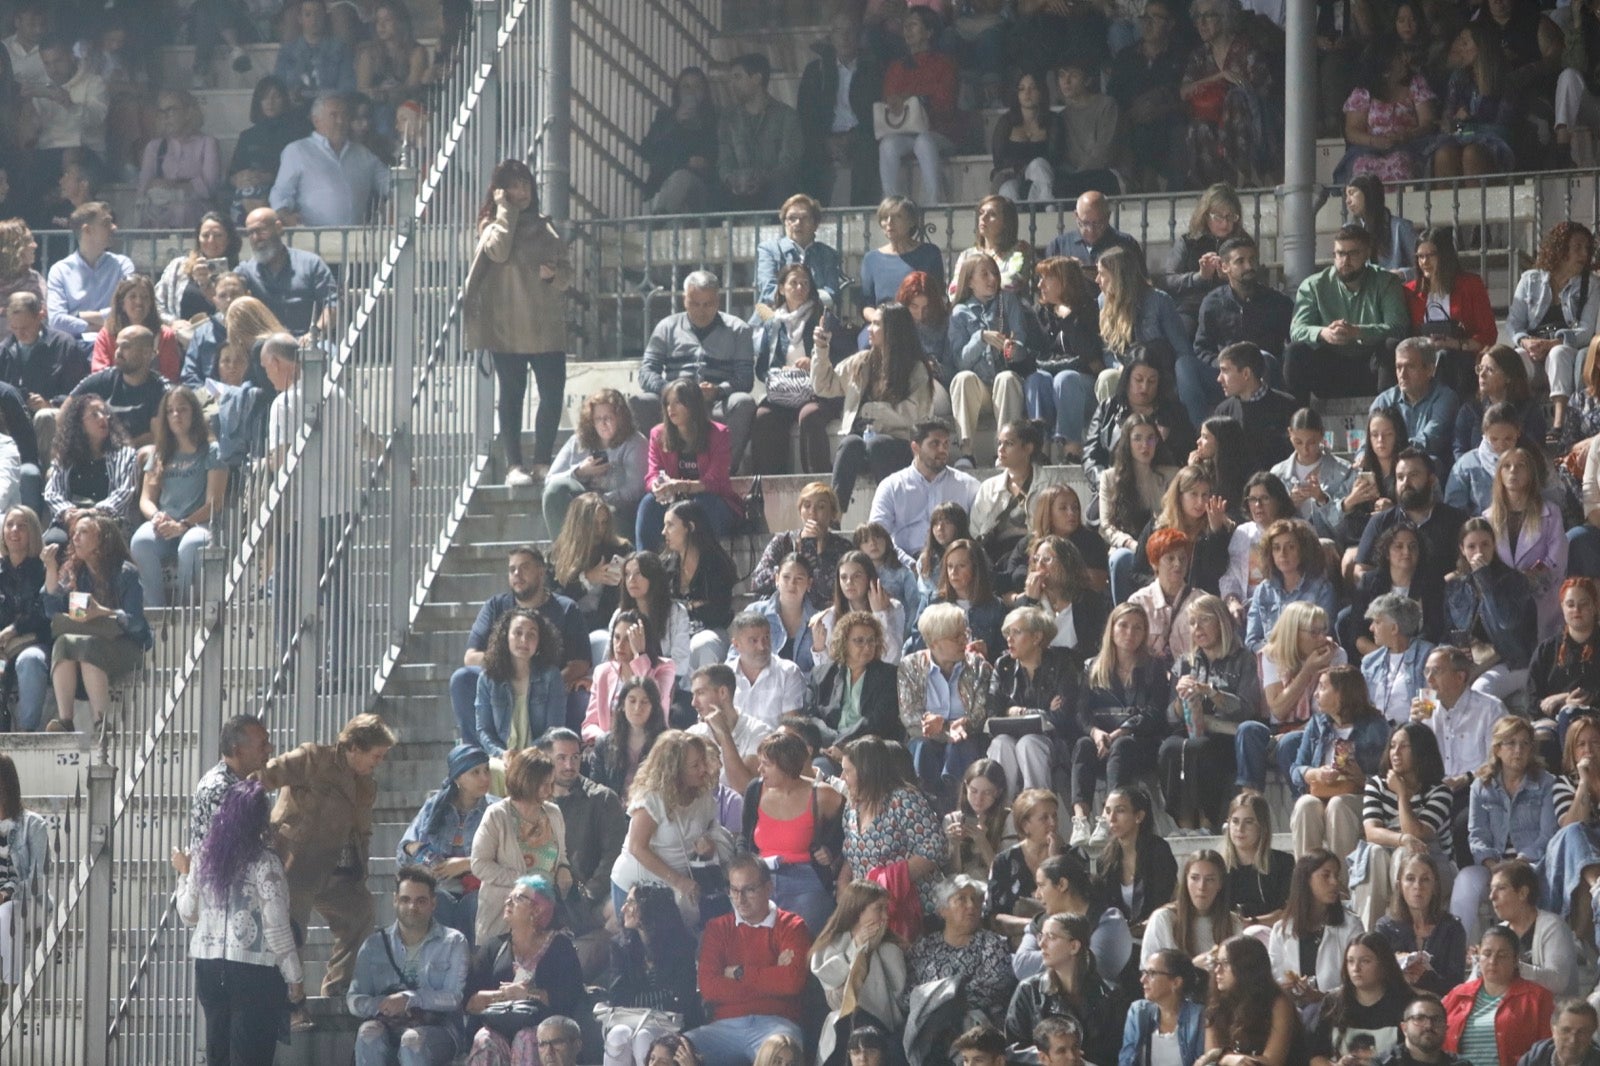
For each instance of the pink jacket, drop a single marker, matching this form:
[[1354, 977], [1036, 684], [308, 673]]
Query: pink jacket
[[607, 683], [1548, 548], [716, 464]]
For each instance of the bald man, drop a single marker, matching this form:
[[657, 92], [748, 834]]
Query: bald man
[[131, 389], [296, 286], [1095, 234]]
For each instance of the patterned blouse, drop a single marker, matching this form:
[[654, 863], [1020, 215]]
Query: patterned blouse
[[985, 963], [906, 826]]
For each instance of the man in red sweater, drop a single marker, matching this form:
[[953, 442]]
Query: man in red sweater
[[753, 965]]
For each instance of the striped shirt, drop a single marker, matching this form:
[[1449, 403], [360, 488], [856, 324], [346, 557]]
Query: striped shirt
[[1432, 809], [1564, 792], [1478, 1043]]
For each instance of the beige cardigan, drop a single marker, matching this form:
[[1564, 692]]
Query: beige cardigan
[[509, 307], [497, 862], [890, 420]]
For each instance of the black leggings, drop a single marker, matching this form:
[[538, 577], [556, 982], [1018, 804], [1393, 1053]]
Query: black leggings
[[244, 1004], [550, 375]]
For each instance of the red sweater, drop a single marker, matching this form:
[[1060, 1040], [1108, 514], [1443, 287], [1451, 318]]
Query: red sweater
[[1521, 1020], [1469, 305], [934, 78], [766, 987]]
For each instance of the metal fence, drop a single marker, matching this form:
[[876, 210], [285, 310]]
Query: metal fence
[[319, 562], [634, 267]]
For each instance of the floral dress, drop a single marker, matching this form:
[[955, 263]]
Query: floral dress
[[906, 826], [1488, 121], [985, 963], [1238, 149], [1397, 119]]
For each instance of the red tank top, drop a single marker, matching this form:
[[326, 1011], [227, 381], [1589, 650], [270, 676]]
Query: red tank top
[[788, 839]]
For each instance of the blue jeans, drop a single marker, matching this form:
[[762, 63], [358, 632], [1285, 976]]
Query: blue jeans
[[736, 1040], [647, 533], [150, 553], [1121, 564], [1250, 747], [797, 889], [1198, 388], [1583, 551], [377, 1045], [459, 914], [464, 702], [940, 764], [33, 681], [1074, 395]]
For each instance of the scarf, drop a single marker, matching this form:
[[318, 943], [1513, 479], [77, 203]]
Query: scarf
[[794, 323]]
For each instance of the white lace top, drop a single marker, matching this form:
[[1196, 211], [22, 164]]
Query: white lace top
[[251, 925]]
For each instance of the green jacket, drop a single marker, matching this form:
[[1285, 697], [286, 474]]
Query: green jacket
[[1377, 306]]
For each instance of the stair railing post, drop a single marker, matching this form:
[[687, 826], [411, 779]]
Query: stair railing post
[[487, 121], [307, 546], [402, 298], [97, 911]]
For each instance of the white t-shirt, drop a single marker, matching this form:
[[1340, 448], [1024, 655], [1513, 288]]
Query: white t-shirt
[[1396, 705], [1164, 1050], [343, 468], [748, 733]]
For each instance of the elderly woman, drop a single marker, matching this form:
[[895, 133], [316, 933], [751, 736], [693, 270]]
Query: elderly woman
[[1394, 670], [964, 948], [815, 539], [1167, 597], [323, 823], [944, 698], [1215, 688], [439, 837], [857, 693], [520, 835], [1031, 701], [1223, 90]]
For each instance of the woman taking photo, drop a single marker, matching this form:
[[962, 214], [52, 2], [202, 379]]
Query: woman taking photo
[[1168, 1024], [1216, 687], [1410, 632], [134, 304], [856, 695], [1341, 747], [982, 958], [1258, 873], [1068, 985], [1071, 350], [22, 615], [1451, 307], [672, 823], [857, 590], [785, 337], [1372, 488], [605, 455], [1511, 814], [1013, 879], [1006, 501], [888, 388], [1120, 717], [1492, 611], [1406, 807], [1365, 1009], [1133, 486], [1032, 680], [530, 962], [988, 326], [188, 286], [1166, 599], [1193, 266], [1297, 654], [1553, 311], [885, 268], [1293, 563], [1057, 513], [816, 539], [653, 969], [516, 309], [634, 655], [790, 819], [107, 638], [944, 698], [520, 835], [1308, 943], [1241, 1028], [980, 827], [1495, 1017], [861, 966], [636, 723], [1134, 312], [1135, 872], [1200, 917], [689, 457], [702, 579], [1530, 535], [887, 821], [247, 974], [586, 560], [520, 693], [93, 470], [184, 479], [1421, 929], [439, 838]]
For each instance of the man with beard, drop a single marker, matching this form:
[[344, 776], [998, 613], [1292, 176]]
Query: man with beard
[[904, 501], [1243, 311], [1347, 320], [1422, 1029], [1436, 522], [596, 827]]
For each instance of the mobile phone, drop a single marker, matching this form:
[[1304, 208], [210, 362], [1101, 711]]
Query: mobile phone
[[218, 267], [599, 456]]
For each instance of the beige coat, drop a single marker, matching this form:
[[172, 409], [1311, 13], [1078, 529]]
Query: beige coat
[[509, 307], [849, 378], [497, 862], [322, 807]]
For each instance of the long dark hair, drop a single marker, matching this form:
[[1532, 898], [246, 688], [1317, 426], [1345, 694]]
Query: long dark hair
[[10, 788], [891, 362], [237, 837], [657, 609], [700, 536], [264, 86], [1303, 915], [1339, 1003], [113, 557], [652, 639], [1243, 1014], [933, 552], [622, 729], [982, 576], [1139, 800], [167, 441], [507, 172], [72, 445], [857, 557], [1230, 468], [1223, 921], [235, 242], [1443, 239], [1426, 760], [687, 393], [1128, 511], [1367, 460], [1377, 217], [666, 940]]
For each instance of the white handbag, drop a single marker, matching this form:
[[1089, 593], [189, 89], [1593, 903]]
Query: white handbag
[[912, 117]]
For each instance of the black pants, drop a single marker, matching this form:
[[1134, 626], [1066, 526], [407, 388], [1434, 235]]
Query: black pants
[[244, 1005], [882, 455], [1197, 776], [1128, 758], [1335, 371], [550, 374]]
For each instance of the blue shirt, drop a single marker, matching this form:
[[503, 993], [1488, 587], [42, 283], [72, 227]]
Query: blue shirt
[[296, 291], [882, 272], [1073, 246], [944, 693], [1430, 421], [74, 285], [324, 67], [328, 187], [438, 970], [1157, 319], [772, 256]]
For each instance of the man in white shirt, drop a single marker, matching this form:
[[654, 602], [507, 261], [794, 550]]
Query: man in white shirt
[[905, 501], [27, 68], [72, 108], [327, 179], [736, 735], [766, 687], [1463, 719]]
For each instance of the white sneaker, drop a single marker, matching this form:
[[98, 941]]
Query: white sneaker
[[1080, 831], [517, 476], [1100, 834]]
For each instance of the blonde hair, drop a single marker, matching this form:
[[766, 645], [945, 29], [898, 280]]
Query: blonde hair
[[661, 773], [1283, 643], [1205, 603], [1103, 671], [31, 521], [1500, 509], [14, 238], [941, 621], [1254, 802], [819, 490], [247, 321], [586, 533], [772, 1046], [1118, 318]]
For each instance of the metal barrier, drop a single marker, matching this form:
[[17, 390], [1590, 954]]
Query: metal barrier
[[319, 562], [633, 267]]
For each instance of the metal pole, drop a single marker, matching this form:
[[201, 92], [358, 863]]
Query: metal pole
[[97, 919], [555, 163], [488, 133], [213, 580], [1297, 204], [302, 598], [402, 295]]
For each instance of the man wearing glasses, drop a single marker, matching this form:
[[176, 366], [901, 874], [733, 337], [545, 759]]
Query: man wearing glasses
[[560, 1040], [1571, 1043], [1094, 236], [1422, 1036]]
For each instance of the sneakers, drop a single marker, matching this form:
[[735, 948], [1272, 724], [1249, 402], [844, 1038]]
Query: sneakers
[[58, 725], [1100, 834], [517, 476], [1080, 831]]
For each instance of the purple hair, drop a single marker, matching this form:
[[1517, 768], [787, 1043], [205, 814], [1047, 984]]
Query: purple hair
[[237, 837]]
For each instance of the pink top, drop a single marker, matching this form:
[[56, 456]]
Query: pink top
[[606, 685], [194, 159], [716, 464]]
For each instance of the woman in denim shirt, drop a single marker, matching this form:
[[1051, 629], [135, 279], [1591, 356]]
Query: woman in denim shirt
[[1171, 1007], [520, 693], [1293, 560], [1342, 746], [1491, 603], [439, 838], [988, 329], [1554, 308], [1511, 815], [1132, 311], [1394, 669]]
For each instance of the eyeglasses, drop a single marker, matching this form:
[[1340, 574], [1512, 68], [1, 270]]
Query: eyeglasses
[[1222, 216], [1155, 973], [1432, 1021], [550, 1045]]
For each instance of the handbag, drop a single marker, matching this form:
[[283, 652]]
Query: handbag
[[64, 625], [510, 1018], [790, 387], [1021, 725], [910, 118], [755, 509], [416, 1015], [636, 1018]]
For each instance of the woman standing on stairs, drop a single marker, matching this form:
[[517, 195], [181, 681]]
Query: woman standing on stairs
[[516, 310]]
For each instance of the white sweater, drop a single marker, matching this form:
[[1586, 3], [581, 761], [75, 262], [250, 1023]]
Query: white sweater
[[250, 926]]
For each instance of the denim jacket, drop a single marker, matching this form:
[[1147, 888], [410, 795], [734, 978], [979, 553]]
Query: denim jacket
[[1270, 598], [437, 845], [1370, 736], [130, 603], [970, 318], [823, 259], [803, 656], [1532, 299], [1375, 668], [1501, 599], [547, 707], [1527, 820], [441, 969], [1144, 1016]]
